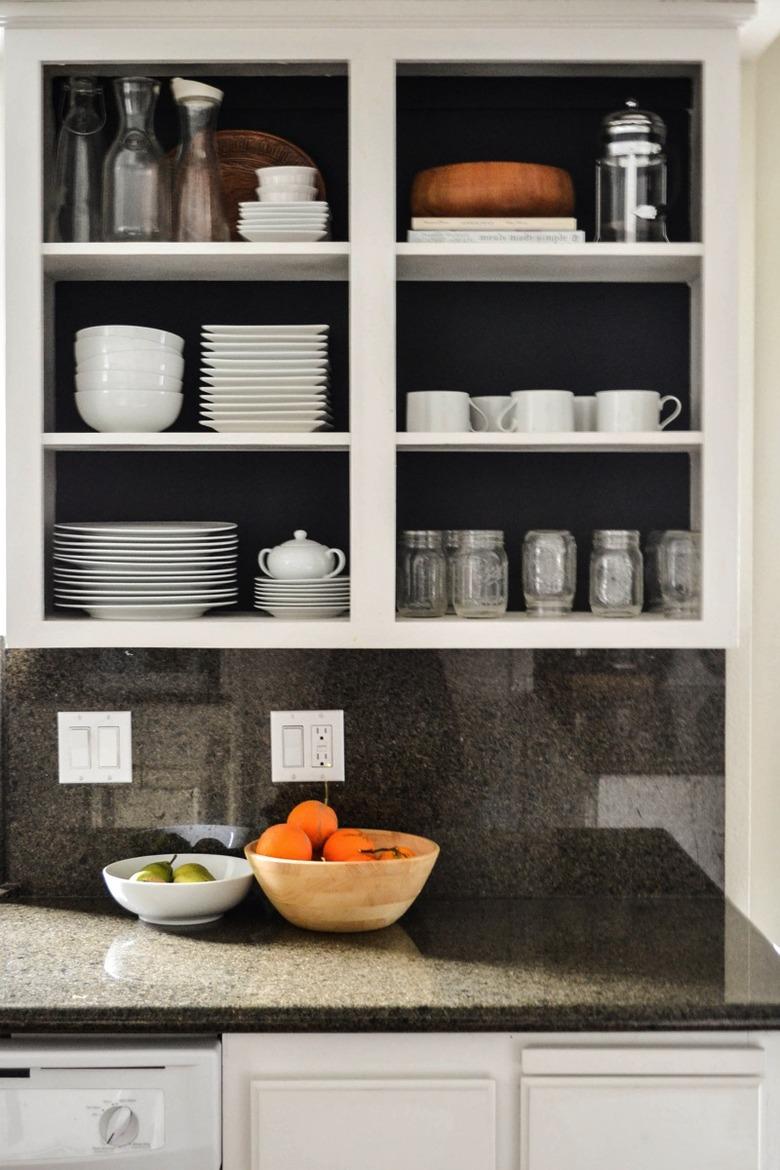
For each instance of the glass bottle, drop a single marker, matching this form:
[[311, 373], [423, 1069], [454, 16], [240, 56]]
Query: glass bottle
[[451, 538], [549, 571], [679, 570], [631, 178], [136, 174], [198, 197], [422, 574], [616, 586], [75, 205], [480, 574]]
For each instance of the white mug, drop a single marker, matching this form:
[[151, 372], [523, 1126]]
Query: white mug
[[585, 412], [440, 410], [634, 410], [539, 410], [490, 408]]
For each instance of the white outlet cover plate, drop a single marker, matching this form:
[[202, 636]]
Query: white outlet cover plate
[[84, 736], [291, 728]]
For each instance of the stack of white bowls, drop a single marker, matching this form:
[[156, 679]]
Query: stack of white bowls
[[287, 209], [128, 377]]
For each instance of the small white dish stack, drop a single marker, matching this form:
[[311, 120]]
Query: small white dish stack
[[301, 580], [139, 570], [287, 209], [265, 378], [128, 377]]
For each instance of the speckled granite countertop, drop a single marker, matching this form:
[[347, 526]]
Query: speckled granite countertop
[[481, 964]]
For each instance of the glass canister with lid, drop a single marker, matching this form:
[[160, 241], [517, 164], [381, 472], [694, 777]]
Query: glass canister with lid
[[616, 573], [479, 574], [631, 178], [421, 575]]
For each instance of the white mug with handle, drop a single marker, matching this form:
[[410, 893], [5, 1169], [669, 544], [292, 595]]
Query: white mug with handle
[[634, 410], [441, 410], [538, 411]]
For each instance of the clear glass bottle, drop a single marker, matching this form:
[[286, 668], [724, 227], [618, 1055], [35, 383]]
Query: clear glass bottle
[[679, 566], [136, 174], [451, 538], [616, 573], [198, 197], [76, 212], [480, 574], [422, 574], [549, 571], [631, 178]]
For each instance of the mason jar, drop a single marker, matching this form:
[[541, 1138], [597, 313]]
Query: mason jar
[[549, 571], [422, 574], [679, 571], [616, 585], [480, 574]]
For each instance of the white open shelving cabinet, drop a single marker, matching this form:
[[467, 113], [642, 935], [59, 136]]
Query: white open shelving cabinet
[[370, 52]]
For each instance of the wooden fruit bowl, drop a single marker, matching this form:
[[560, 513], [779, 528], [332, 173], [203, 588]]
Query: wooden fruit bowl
[[493, 188], [342, 896]]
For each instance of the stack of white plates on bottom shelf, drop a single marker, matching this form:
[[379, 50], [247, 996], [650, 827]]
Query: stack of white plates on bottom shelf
[[156, 570], [265, 378], [319, 597]]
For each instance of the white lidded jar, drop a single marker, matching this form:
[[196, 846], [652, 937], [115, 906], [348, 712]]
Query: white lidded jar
[[301, 559]]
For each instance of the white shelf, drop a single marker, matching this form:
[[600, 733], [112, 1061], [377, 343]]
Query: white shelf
[[581, 441], [172, 261], [195, 441], [678, 263], [517, 630], [247, 629]]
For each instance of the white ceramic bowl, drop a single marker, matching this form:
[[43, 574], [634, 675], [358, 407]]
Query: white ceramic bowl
[[139, 332], [185, 904], [145, 360], [291, 194], [88, 347], [126, 380], [271, 176], [129, 410]]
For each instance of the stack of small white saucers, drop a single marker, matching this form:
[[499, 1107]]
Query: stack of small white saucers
[[287, 209], [128, 377], [265, 378], [145, 571], [320, 597]]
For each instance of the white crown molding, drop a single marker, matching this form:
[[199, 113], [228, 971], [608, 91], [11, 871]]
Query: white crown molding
[[373, 13]]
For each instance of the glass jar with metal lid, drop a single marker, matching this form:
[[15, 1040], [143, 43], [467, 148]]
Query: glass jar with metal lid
[[631, 178], [421, 579], [479, 574], [616, 585]]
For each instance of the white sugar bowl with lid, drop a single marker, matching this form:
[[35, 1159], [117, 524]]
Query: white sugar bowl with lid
[[301, 558]]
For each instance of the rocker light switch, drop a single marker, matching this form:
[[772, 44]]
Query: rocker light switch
[[95, 747], [307, 746]]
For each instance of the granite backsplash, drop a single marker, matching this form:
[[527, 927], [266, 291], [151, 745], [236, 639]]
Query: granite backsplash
[[534, 770]]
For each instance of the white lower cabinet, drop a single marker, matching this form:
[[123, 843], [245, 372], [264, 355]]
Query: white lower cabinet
[[501, 1102]]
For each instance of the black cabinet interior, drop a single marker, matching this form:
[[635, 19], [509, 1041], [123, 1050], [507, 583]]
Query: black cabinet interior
[[554, 120], [183, 307], [496, 337], [517, 491], [268, 494], [311, 111]]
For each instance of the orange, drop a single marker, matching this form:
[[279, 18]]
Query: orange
[[317, 820], [394, 853], [345, 844], [285, 841]]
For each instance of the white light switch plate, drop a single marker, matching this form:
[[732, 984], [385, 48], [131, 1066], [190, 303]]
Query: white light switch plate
[[95, 747], [307, 746]]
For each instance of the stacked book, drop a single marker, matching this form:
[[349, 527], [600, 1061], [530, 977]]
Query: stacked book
[[428, 229]]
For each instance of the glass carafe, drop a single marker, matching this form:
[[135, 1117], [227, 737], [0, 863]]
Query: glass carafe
[[631, 178], [75, 203], [198, 197], [136, 175]]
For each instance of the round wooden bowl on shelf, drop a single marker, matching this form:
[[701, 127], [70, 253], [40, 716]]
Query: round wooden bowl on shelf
[[493, 189], [345, 896]]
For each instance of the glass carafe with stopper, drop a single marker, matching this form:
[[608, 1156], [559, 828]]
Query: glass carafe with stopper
[[136, 174], [198, 197], [631, 178], [75, 203]]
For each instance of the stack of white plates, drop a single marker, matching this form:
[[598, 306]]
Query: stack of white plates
[[265, 378], [301, 222], [319, 597], [156, 570]]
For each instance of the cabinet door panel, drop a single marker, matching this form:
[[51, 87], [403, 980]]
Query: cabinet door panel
[[641, 1123], [354, 1124]]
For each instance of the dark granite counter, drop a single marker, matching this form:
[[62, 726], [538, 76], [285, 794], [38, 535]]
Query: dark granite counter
[[460, 965]]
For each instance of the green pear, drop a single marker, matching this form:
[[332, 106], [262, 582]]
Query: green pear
[[155, 871], [192, 872]]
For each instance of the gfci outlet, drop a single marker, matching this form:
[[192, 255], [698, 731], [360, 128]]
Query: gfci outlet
[[307, 746]]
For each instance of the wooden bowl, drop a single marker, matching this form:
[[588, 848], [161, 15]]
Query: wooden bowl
[[342, 896], [493, 188]]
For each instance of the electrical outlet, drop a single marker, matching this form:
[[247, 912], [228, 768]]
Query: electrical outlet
[[307, 746]]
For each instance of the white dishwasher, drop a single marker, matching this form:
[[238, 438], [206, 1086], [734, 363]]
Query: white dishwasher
[[78, 1103]]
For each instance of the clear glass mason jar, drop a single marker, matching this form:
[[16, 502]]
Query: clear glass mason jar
[[679, 571], [616, 573], [421, 579], [451, 538], [549, 571], [480, 574]]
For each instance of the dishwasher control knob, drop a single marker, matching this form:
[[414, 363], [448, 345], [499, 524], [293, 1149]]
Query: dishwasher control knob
[[119, 1126]]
